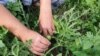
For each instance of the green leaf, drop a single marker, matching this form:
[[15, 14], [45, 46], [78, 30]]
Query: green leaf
[[60, 54], [87, 44], [78, 42], [79, 53], [90, 2], [49, 37], [1, 44]]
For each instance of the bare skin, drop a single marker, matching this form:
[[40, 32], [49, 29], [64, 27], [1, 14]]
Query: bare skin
[[46, 18], [39, 43]]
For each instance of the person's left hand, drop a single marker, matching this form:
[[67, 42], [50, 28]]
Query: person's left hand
[[46, 24]]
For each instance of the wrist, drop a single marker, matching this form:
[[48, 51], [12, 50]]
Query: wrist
[[45, 15], [27, 35], [22, 34]]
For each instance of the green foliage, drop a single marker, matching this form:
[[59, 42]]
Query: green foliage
[[77, 32]]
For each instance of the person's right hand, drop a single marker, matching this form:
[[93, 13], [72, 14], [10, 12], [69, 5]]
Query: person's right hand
[[39, 44]]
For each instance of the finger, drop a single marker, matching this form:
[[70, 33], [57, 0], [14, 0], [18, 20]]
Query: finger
[[45, 41], [40, 28], [36, 47], [46, 49], [36, 52], [53, 28], [45, 32], [40, 50], [42, 46], [50, 31]]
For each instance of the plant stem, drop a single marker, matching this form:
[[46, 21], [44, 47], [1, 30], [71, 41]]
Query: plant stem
[[51, 50]]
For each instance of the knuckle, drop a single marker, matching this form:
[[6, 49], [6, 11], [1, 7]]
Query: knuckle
[[44, 27], [35, 44], [49, 27], [42, 46], [37, 53], [39, 50]]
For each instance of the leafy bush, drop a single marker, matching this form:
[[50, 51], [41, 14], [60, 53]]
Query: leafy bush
[[77, 30]]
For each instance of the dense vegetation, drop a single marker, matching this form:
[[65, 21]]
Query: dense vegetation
[[77, 32]]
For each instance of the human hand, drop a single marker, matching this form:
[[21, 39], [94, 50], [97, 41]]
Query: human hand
[[39, 44], [46, 24]]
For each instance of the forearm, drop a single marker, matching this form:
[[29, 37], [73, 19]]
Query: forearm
[[45, 7], [10, 22]]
